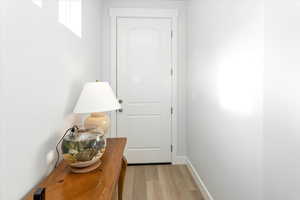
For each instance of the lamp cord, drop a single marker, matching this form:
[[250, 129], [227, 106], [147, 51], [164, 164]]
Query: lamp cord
[[72, 129]]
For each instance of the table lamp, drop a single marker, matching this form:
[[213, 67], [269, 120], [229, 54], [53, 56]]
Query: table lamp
[[83, 148], [97, 98]]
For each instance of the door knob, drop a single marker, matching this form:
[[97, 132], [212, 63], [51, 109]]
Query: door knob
[[120, 101], [120, 110]]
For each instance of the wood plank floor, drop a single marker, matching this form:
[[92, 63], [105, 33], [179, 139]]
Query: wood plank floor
[[160, 182]]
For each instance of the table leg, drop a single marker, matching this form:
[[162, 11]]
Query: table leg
[[122, 179]]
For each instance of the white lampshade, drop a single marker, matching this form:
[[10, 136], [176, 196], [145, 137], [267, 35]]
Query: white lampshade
[[96, 97]]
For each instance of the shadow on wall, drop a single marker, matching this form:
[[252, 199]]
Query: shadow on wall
[[47, 154]]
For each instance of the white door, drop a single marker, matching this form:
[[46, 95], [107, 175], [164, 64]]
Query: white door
[[144, 86]]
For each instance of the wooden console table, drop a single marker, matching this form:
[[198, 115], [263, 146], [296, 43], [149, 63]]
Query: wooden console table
[[100, 184]]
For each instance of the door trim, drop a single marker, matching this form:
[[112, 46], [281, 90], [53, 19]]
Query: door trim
[[151, 13]]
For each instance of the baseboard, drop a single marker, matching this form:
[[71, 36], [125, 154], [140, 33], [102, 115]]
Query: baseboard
[[179, 160], [198, 180]]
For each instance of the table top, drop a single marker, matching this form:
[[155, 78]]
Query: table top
[[99, 184]]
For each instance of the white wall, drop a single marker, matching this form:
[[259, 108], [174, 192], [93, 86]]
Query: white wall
[[45, 66], [160, 4], [1, 98], [225, 54], [282, 100]]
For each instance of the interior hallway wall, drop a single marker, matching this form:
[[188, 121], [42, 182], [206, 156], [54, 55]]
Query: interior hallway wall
[[46, 60], [158, 4], [1, 97], [226, 60], [282, 100]]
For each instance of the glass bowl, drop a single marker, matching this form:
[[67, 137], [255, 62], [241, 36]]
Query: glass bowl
[[83, 149]]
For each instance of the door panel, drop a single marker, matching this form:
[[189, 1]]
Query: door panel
[[144, 85]]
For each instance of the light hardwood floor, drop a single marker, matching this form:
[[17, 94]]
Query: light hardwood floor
[[160, 182]]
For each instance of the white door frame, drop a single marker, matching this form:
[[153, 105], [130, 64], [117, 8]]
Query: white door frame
[[151, 13]]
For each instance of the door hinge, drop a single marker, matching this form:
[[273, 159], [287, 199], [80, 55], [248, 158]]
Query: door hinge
[[172, 34], [172, 110], [172, 72], [171, 148]]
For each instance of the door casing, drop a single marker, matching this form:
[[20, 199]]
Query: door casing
[[150, 13]]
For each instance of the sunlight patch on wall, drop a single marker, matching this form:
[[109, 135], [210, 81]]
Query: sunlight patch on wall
[[240, 76], [39, 3], [70, 15]]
